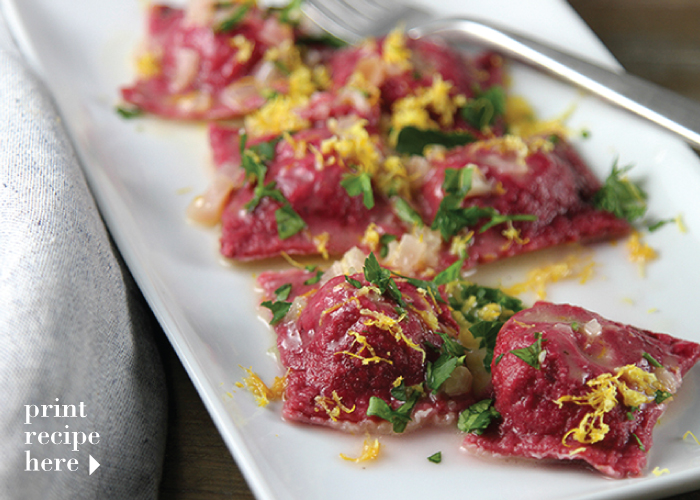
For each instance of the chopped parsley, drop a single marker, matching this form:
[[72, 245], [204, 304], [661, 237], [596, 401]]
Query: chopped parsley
[[452, 355], [651, 360], [316, 277], [461, 300], [384, 241], [661, 396], [282, 293], [486, 332], [405, 212], [655, 226], [359, 184], [291, 13], [231, 22], [485, 107], [532, 353], [620, 196], [477, 417], [381, 278], [448, 275], [497, 219], [253, 159], [353, 282], [129, 112], [435, 458], [451, 218], [279, 307], [322, 39], [401, 416], [289, 222], [639, 442], [412, 140]]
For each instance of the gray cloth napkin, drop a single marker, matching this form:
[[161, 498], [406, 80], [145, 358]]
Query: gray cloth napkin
[[74, 329]]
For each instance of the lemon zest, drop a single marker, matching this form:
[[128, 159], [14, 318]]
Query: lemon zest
[[657, 471], [362, 340], [370, 451], [639, 251], [603, 398], [537, 279], [262, 393], [690, 433], [333, 405]]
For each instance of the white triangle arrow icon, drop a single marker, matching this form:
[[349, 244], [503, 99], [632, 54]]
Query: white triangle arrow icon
[[93, 465]]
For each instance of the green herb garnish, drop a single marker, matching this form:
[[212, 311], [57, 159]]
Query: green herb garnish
[[384, 241], [405, 212], [231, 22], [435, 458], [482, 110], [359, 184], [282, 293], [531, 354], [279, 307], [486, 332], [651, 360], [323, 39], [452, 355], [353, 282], [412, 140], [381, 278], [639, 442], [661, 396], [289, 222], [316, 277], [400, 417], [461, 300], [451, 218], [129, 112], [291, 13], [477, 417], [620, 196]]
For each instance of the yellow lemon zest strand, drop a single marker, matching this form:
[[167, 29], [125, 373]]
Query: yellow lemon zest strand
[[394, 50], [371, 238], [354, 146], [657, 472], [415, 110], [276, 116], [338, 306], [333, 405], [640, 252], [538, 279], [321, 242], [148, 65], [522, 121], [245, 48], [513, 236], [603, 398], [390, 325], [362, 340], [262, 393], [689, 433], [370, 451]]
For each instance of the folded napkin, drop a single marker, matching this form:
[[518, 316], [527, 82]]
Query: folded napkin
[[75, 333]]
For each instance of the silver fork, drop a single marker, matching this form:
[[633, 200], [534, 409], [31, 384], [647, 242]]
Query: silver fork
[[354, 20]]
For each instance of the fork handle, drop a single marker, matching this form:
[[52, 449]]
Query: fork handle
[[661, 106]]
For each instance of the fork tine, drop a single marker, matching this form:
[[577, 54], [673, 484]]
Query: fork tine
[[353, 20]]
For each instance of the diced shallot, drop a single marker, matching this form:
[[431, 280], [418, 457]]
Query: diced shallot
[[206, 208]]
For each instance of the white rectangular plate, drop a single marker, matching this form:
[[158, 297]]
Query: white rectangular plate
[[145, 172]]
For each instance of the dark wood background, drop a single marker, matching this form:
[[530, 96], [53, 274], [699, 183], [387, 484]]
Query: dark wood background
[[655, 39]]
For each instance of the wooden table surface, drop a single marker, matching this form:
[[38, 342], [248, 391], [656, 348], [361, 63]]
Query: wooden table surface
[[655, 39]]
